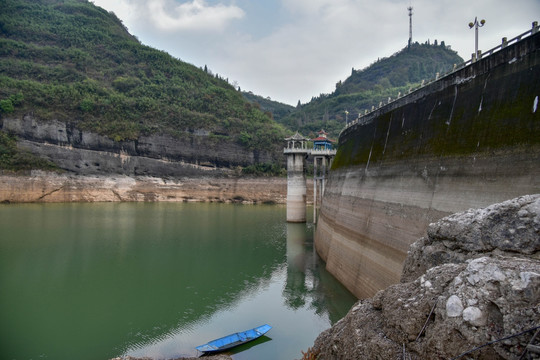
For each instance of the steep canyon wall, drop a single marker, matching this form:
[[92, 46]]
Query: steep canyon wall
[[87, 153], [468, 140]]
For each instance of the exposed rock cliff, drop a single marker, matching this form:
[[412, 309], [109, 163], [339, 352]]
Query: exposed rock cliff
[[85, 152], [482, 285]]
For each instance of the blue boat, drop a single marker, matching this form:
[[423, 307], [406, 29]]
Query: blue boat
[[233, 340]]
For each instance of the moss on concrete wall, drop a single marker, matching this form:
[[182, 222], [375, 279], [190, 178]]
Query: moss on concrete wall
[[480, 109]]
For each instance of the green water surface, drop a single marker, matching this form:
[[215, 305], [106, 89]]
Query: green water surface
[[96, 281]]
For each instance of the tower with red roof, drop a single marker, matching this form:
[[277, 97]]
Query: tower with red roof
[[322, 142]]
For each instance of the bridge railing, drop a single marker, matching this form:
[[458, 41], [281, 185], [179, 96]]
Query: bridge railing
[[361, 119], [324, 152], [296, 150], [314, 152]]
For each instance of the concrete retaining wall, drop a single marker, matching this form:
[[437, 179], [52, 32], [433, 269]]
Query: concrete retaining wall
[[469, 140]]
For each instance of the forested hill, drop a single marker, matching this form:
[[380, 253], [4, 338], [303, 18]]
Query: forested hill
[[272, 108], [368, 87], [71, 61]]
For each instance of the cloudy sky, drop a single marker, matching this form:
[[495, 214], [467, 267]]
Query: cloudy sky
[[293, 50]]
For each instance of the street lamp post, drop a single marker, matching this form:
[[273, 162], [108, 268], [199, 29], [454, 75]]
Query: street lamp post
[[476, 25]]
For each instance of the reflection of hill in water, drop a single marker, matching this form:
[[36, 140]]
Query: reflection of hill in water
[[307, 279]]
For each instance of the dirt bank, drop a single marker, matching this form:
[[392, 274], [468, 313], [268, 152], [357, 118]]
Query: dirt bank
[[39, 186]]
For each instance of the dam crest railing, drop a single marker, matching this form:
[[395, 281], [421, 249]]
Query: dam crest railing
[[313, 152], [364, 118]]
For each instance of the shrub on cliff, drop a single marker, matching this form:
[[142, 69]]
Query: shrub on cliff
[[265, 169], [13, 159]]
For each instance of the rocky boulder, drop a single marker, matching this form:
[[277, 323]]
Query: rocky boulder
[[479, 297], [511, 228]]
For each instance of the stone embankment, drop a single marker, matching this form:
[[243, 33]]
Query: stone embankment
[[52, 187], [471, 286]]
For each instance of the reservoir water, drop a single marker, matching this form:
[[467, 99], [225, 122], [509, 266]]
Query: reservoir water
[[97, 281]]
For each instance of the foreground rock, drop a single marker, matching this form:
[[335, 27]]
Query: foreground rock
[[475, 279]]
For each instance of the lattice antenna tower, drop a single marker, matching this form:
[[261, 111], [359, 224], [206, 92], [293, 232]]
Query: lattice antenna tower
[[410, 8]]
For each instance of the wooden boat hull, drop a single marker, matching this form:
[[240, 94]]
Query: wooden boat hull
[[233, 340]]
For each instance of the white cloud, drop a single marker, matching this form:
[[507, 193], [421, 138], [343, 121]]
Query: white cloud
[[126, 10], [307, 56], [170, 16], [195, 15]]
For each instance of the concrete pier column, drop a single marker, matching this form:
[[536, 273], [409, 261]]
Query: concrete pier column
[[321, 164], [296, 152], [296, 187], [315, 195]]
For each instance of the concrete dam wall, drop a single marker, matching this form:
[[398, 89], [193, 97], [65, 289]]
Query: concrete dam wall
[[467, 140]]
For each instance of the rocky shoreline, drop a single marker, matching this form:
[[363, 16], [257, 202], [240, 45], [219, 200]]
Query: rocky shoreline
[[470, 289], [50, 187]]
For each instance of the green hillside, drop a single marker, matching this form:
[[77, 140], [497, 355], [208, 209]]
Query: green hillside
[[368, 87], [70, 60], [272, 108]]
